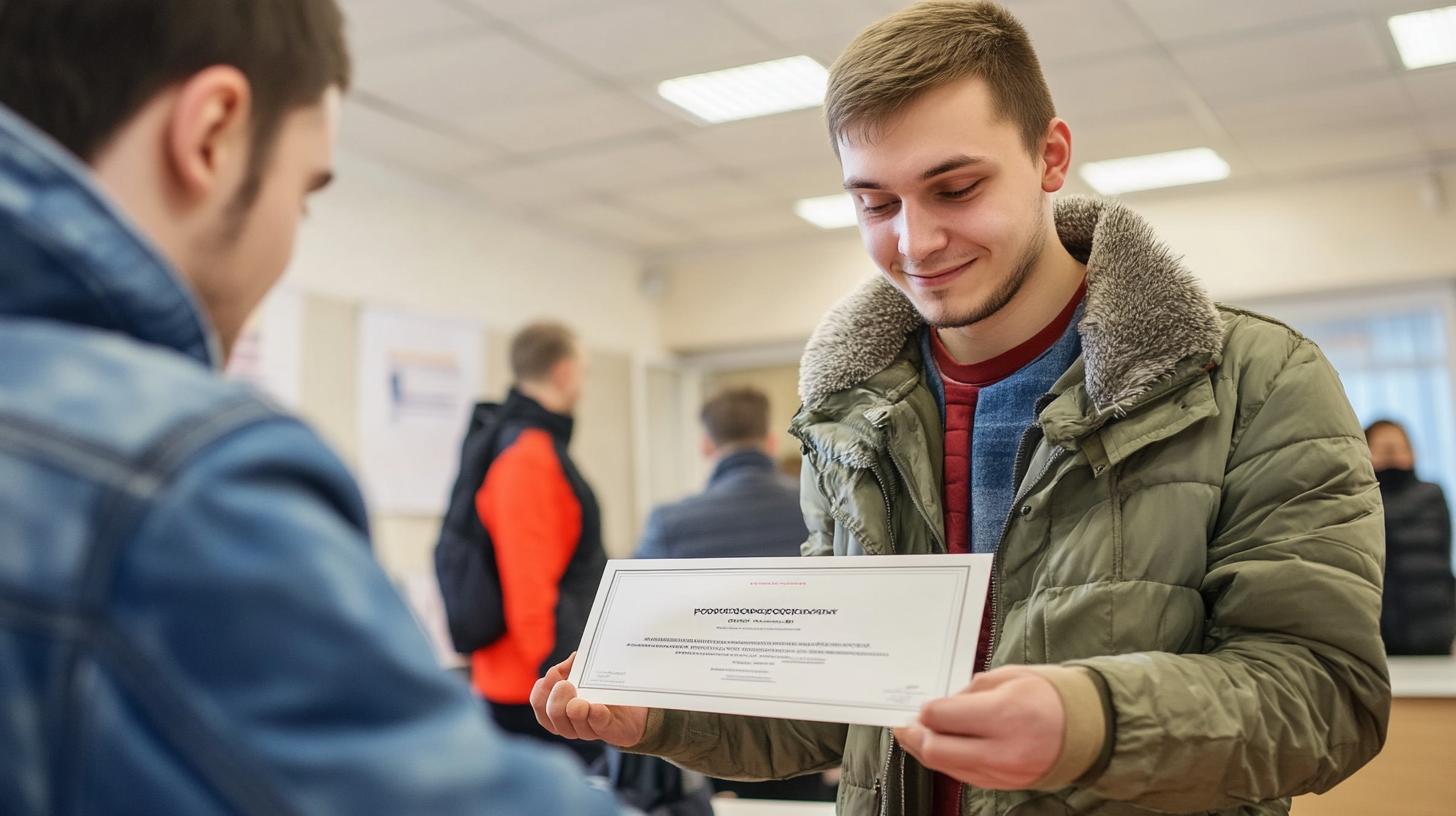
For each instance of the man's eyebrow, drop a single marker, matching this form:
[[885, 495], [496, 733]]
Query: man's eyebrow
[[953, 163]]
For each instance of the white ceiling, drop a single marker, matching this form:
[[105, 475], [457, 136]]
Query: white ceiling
[[547, 108]]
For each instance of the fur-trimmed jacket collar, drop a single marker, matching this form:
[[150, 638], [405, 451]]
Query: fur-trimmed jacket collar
[[1144, 313]]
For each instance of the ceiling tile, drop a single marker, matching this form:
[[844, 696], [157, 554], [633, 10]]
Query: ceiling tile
[[764, 141], [526, 11], [790, 182], [702, 197], [655, 40], [375, 26], [1115, 85], [1117, 138], [1325, 151], [1067, 30], [631, 165], [613, 223], [1195, 19], [1266, 64], [516, 186], [545, 126], [406, 144], [1432, 89], [468, 76], [756, 226], [1339, 105], [1439, 132], [818, 20]]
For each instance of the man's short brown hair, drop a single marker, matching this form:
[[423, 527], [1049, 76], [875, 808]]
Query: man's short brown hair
[[79, 69], [537, 348], [736, 415], [926, 46]]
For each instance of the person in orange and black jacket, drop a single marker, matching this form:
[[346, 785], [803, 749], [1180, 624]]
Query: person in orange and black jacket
[[545, 524]]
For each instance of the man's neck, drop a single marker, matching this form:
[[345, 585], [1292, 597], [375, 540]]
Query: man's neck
[[1042, 297], [548, 397], [734, 448]]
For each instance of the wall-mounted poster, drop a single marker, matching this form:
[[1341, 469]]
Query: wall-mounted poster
[[418, 380], [267, 355]]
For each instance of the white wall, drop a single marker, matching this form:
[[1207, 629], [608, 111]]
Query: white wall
[[1244, 243], [380, 238]]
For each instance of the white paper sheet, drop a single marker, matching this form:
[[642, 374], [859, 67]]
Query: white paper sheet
[[864, 640]]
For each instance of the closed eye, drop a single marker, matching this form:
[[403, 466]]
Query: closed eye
[[955, 195]]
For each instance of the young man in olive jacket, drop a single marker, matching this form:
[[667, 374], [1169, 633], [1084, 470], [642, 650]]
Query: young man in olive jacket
[[1184, 612]]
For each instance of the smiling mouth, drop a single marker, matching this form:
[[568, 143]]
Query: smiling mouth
[[939, 278]]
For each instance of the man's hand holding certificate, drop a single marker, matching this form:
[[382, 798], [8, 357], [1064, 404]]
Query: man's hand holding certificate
[[809, 639], [813, 639]]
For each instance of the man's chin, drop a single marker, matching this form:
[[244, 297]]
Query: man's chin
[[946, 314]]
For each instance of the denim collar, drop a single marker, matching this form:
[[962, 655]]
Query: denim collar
[[68, 254]]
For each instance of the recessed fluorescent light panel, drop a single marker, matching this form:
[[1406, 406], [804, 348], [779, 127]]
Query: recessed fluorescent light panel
[[1425, 38], [828, 212], [747, 91], [1156, 170]]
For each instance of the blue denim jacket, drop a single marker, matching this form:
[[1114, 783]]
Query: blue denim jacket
[[191, 619]]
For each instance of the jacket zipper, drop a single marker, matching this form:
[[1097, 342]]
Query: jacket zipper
[[885, 494], [1023, 453], [882, 784]]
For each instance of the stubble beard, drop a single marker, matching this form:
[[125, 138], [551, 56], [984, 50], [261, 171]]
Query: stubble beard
[[1002, 295]]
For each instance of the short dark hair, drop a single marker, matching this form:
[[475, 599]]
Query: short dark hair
[[80, 69], [736, 415], [537, 348], [1386, 423]]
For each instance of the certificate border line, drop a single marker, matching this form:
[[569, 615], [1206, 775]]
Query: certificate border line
[[617, 572]]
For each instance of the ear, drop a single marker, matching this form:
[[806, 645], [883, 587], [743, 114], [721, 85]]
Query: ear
[[209, 133], [1056, 155], [771, 444], [706, 446]]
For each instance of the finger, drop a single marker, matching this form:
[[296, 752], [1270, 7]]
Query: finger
[[984, 763], [958, 756], [579, 712], [985, 681], [969, 715], [911, 737], [561, 694], [541, 691], [600, 718]]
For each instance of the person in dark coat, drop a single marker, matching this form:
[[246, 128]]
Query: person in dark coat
[[1419, 614]]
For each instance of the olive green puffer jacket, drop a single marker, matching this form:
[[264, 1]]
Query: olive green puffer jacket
[[1196, 522]]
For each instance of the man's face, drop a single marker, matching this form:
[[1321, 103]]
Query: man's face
[[1389, 449], [252, 247], [570, 378], [952, 206]]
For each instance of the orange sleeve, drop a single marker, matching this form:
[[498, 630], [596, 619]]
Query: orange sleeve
[[534, 520]]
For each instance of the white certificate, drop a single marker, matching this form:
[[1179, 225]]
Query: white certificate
[[858, 639]]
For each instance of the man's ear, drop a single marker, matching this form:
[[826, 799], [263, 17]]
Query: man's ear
[[1056, 154], [209, 131]]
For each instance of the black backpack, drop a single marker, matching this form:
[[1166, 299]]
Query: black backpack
[[465, 564]]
